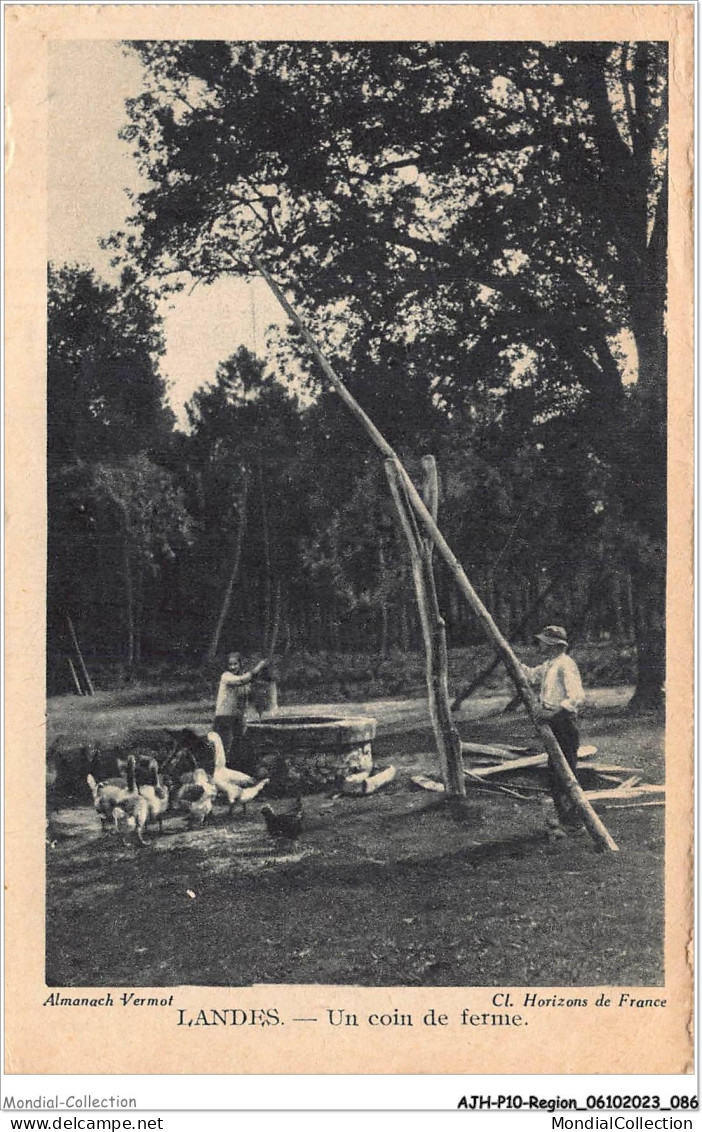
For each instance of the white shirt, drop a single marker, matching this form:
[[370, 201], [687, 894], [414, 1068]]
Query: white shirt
[[560, 683], [232, 694]]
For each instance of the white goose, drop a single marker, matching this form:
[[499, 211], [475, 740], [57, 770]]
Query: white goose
[[250, 792], [229, 782], [132, 811], [107, 797], [157, 797], [196, 797]]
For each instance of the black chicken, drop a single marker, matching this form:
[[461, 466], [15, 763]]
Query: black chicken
[[284, 827]]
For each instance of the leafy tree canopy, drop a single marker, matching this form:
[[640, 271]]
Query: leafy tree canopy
[[105, 394], [497, 208]]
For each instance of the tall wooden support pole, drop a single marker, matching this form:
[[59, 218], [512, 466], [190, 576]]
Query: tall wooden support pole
[[448, 743], [569, 782], [456, 783]]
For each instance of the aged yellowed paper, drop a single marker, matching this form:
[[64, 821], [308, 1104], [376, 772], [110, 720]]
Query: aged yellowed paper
[[417, 1016]]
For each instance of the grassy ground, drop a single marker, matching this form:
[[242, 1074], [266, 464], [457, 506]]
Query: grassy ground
[[387, 890]]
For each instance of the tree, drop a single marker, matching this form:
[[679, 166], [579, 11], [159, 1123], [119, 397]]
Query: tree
[[353, 558], [104, 393], [244, 443], [134, 506], [106, 409], [477, 216]]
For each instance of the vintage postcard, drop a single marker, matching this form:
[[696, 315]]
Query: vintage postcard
[[349, 435]]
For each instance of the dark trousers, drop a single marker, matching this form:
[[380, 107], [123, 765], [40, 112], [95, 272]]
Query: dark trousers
[[230, 729], [565, 729]]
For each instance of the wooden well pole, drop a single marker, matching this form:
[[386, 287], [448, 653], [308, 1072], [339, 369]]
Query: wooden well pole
[[569, 782], [448, 743], [438, 672]]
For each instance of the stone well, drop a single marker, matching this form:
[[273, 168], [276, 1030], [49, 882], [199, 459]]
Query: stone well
[[308, 753]]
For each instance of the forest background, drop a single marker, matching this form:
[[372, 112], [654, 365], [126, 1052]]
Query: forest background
[[477, 235]]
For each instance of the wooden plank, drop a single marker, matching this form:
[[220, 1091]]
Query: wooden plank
[[427, 783], [509, 767], [529, 762], [377, 781], [612, 768], [355, 783], [596, 796], [492, 750], [633, 780], [586, 752], [638, 804]]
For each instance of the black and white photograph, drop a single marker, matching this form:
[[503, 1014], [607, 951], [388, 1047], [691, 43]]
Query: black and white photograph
[[357, 514]]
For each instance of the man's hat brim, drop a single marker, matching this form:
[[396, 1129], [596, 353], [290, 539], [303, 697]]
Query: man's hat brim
[[548, 640]]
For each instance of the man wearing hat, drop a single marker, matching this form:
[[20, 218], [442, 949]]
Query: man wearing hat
[[561, 696]]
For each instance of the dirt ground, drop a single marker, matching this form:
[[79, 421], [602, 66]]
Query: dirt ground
[[393, 889]]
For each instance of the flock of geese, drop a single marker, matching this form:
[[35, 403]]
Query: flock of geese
[[145, 795]]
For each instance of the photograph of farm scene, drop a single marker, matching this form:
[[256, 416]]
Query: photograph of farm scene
[[357, 506]]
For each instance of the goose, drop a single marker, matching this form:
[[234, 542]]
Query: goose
[[157, 796], [227, 781], [196, 797], [107, 797], [132, 810], [175, 764], [248, 793]]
